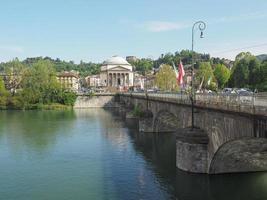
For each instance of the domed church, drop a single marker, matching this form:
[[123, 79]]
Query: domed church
[[116, 72]]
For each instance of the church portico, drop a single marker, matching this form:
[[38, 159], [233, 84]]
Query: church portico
[[118, 79], [116, 72]]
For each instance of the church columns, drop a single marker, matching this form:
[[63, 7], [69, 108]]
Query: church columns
[[127, 79], [116, 79], [122, 79], [109, 79]]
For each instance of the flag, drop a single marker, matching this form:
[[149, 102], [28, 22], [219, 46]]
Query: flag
[[209, 80], [181, 74], [175, 70]]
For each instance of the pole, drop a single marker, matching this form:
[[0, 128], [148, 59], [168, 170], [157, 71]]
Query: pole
[[201, 27]]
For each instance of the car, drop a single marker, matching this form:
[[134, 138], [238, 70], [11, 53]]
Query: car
[[244, 92], [227, 90]]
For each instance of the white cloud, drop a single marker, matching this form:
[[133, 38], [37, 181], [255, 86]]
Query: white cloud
[[12, 49], [230, 50], [160, 26], [242, 17]]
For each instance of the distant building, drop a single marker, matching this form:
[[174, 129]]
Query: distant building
[[69, 80], [139, 81], [188, 75], [228, 63], [117, 73], [131, 59], [93, 81]]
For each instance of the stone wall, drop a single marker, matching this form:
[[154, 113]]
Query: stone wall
[[96, 101]]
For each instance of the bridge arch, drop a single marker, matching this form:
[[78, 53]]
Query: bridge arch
[[165, 121], [240, 155]]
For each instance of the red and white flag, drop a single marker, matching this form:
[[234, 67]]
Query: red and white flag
[[180, 74]]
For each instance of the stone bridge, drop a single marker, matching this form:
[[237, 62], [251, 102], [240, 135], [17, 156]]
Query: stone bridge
[[232, 133]]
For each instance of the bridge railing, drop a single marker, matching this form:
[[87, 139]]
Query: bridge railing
[[254, 104]]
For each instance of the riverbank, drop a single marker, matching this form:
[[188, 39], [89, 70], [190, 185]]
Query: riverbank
[[53, 106]]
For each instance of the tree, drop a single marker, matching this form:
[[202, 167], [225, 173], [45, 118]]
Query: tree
[[67, 98], [242, 55], [166, 79], [246, 71], [143, 65], [254, 71], [222, 74], [262, 85], [3, 93], [40, 83], [240, 74], [14, 74], [204, 75]]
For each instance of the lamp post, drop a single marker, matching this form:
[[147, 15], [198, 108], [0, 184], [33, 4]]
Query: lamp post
[[201, 26]]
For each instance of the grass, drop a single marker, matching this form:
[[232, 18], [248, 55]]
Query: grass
[[137, 112], [53, 106]]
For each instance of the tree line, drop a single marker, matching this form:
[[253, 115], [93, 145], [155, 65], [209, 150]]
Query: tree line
[[38, 84], [32, 86], [84, 68], [246, 71]]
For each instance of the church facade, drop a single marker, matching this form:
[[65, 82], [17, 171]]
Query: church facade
[[116, 72]]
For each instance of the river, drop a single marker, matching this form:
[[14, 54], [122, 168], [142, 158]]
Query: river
[[92, 154]]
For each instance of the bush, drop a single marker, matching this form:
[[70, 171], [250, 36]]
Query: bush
[[67, 98], [137, 112]]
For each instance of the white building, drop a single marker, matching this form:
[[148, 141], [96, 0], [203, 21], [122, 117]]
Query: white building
[[139, 81], [93, 81], [116, 72]]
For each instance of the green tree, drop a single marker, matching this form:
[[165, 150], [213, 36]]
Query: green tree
[[143, 65], [254, 71], [3, 93], [222, 74], [204, 75], [14, 71], [240, 74], [40, 84], [67, 97], [242, 55], [262, 85], [246, 71], [166, 79]]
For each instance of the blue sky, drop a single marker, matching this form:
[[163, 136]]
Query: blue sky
[[95, 30]]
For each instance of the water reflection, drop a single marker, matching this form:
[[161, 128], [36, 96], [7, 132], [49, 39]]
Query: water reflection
[[92, 154], [34, 130], [159, 151]]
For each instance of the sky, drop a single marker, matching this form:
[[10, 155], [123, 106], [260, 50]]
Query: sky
[[94, 30]]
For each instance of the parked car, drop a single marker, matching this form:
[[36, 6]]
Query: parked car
[[228, 91], [244, 92]]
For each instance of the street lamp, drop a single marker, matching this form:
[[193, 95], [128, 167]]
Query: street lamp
[[201, 26]]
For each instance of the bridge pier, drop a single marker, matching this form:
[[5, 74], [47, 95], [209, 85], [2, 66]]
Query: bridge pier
[[146, 122], [191, 150], [122, 112], [146, 125]]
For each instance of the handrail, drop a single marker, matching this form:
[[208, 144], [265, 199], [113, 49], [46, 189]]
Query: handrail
[[254, 104]]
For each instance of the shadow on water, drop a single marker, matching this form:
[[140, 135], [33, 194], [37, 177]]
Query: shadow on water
[[159, 151]]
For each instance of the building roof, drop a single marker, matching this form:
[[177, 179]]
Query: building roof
[[116, 60], [93, 76], [116, 63], [68, 74]]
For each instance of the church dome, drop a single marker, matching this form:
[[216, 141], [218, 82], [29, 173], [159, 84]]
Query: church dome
[[116, 60]]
